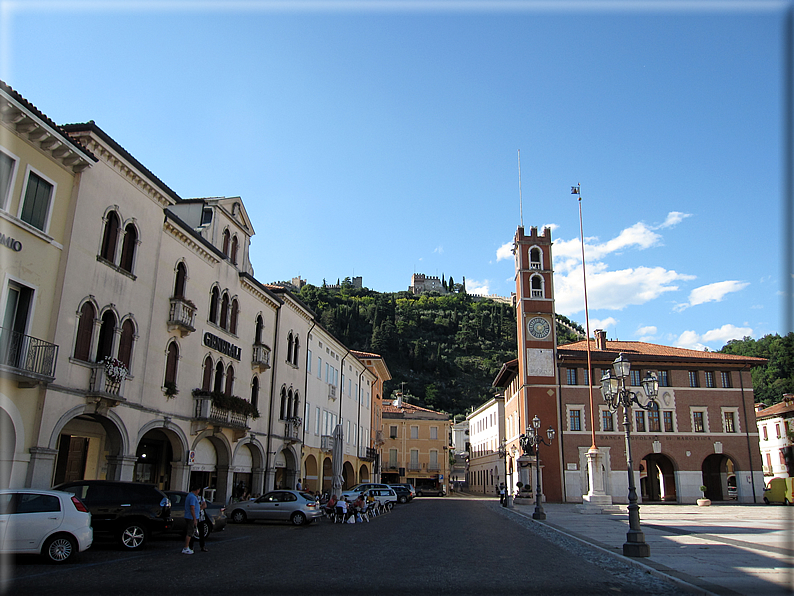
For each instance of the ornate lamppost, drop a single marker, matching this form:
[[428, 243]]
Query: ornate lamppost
[[613, 388], [532, 440], [502, 451]]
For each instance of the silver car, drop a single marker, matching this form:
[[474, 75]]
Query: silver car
[[293, 506]]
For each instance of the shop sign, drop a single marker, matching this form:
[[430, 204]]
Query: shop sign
[[221, 345], [9, 242]]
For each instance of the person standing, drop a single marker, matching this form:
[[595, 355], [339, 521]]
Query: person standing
[[192, 510], [299, 486]]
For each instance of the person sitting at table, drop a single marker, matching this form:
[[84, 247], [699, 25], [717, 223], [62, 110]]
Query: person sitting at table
[[341, 509], [359, 506]]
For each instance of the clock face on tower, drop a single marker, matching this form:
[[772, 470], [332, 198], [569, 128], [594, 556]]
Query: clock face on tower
[[538, 327]]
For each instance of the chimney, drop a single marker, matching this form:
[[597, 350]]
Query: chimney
[[600, 339], [398, 403], [788, 398]]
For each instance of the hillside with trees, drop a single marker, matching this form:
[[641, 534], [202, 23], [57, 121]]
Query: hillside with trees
[[770, 382], [445, 349]]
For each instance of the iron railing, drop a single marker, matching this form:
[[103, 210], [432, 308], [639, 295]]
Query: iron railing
[[28, 355]]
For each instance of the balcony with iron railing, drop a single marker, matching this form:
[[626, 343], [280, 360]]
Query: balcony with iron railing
[[433, 467], [182, 315], [27, 360], [414, 466], [391, 465], [367, 453], [261, 357]]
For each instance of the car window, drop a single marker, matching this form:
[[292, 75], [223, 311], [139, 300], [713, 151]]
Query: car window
[[79, 490], [7, 503], [176, 498], [288, 497], [32, 503], [269, 498]]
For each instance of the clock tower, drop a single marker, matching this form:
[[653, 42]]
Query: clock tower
[[537, 350]]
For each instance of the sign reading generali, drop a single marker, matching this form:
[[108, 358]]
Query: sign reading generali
[[221, 345]]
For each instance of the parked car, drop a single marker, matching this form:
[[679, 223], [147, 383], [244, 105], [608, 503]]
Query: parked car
[[352, 493], [779, 490], [385, 496], [410, 487], [404, 494], [214, 514], [55, 524], [129, 511], [429, 490], [293, 506]]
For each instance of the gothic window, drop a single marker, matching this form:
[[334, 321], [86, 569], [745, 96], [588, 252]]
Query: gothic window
[[85, 332], [295, 347], [128, 246], [534, 258], [206, 383], [234, 250], [214, 297], [217, 387], [255, 392], [171, 360], [229, 380], [110, 237], [283, 410], [260, 325], [106, 333], [125, 345], [179, 281], [224, 318], [295, 406], [233, 318], [226, 242], [290, 342], [537, 286]]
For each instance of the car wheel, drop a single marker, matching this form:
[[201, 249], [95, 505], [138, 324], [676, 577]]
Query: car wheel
[[403, 499], [419, 493], [132, 536], [785, 501], [389, 505], [204, 528], [60, 549], [239, 516], [298, 519]]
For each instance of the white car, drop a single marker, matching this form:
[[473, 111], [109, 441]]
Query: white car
[[385, 496], [53, 523], [353, 493]]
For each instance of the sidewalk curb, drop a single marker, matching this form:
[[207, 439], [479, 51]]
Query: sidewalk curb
[[688, 582]]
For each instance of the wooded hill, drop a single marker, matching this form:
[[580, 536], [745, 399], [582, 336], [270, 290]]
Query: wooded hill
[[770, 382], [446, 349]]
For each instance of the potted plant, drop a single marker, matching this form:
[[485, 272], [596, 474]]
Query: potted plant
[[704, 502], [170, 389]]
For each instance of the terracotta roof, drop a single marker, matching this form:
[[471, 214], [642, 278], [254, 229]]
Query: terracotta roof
[[369, 355], [653, 351], [779, 409], [408, 409]]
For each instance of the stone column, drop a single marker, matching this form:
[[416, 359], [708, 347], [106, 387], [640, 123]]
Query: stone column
[[41, 467], [223, 488], [121, 467], [596, 496], [180, 476]]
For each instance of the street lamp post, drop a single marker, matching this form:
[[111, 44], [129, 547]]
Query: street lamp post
[[530, 440], [613, 388], [502, 451]]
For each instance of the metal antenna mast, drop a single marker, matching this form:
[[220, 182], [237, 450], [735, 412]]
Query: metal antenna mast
[[520, 198]]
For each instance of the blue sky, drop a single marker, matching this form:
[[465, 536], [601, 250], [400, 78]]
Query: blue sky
[[381, 139]]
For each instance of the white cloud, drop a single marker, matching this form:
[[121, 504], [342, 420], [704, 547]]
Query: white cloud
[[602, 323], [647, 330], [479, 288], [716, 338], [673, 218], [439, 250], [505, 251], [613, 290], [712, 293]]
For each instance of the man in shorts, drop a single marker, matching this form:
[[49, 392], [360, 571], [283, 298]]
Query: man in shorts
[[192, 511]]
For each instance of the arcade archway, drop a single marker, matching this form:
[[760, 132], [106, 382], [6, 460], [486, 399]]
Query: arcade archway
[[657, 478], [719, 473]]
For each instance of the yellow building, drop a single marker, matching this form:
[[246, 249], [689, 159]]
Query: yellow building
[[39, 169], [416, 447]]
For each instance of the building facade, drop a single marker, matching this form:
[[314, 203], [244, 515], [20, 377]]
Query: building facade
[[703, 432], [416, 446], [486, 470], [776, 437]]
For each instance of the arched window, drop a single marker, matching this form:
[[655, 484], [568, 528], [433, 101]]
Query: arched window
[[214, 296], [229, 380], [283, 411], [218, 386], [295, 351], [295, 403], [106, 333], [537, 286], [85, 332], [255, 392], [534, 258], [260, 326], [110, 237], [289, 347], [289, 404], [234, 250], [224, 318], [128, 247], [226, 242], [171, 360], [233, 317], [179, 282], [125, 345], [206, 383]]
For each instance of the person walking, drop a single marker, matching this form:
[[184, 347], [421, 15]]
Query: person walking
[[192, 510]]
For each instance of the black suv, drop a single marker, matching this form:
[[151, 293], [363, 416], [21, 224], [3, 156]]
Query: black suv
[[130, 511], [403, 494]]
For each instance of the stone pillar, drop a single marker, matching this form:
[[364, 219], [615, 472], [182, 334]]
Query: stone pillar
[[257, 481], [596, 496], [180, 476], [41, 467], [121, 467], [270, 480], [223, 488]]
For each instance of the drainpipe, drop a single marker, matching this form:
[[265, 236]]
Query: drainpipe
[[358, 418], [747, 433], [341, 403], [306, 400]]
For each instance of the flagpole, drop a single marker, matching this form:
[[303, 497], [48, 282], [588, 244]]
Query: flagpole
[[577, 190], [520, 199]]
